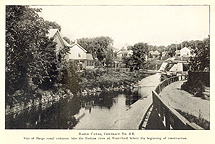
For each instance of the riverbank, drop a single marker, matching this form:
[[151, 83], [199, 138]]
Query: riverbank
[[90, 85], [117, 81]]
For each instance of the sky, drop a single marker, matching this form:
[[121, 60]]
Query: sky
[[127, 25]]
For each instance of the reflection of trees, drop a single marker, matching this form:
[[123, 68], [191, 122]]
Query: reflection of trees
[[131, 97], [58, 116], [104, 100], [61, 114]]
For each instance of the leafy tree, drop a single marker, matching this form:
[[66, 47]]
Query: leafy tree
[[171, 50], [140, 50], [30, 55], [67, 39], [185, 44], [99, 47], [70, 79], [201, 60], [53, 25]]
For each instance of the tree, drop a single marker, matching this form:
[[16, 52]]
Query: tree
[[99, 47], [201, 60], [140, 51], [53, 25], [171, 50], [70, 79], [67, 39], [30, 55]]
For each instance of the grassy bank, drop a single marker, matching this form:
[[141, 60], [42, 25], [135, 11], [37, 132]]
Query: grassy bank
[[197, 120], [92, 79]]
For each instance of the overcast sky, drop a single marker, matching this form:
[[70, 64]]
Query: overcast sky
[[155, 25]]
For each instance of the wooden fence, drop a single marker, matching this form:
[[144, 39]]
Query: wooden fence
[[169, 116]]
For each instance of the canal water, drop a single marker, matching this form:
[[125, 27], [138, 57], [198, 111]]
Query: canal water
[[97, 111]]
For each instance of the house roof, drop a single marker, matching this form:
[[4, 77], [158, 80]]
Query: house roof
[[124, 51], [89, 56], [78, 46], [52, 32], [154, 52], [66, 44]]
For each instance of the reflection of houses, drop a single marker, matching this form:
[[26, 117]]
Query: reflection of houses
[[80, 56]]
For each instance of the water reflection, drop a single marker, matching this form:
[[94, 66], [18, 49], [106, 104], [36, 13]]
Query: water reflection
[[86, 112]]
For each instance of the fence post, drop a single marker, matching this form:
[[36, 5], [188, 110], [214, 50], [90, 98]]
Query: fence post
[[167, 119]]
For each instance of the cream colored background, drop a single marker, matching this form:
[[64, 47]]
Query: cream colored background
[[16, 136]]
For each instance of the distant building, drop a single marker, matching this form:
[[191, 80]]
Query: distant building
[[154, 54], [124, 52], [183, 54]]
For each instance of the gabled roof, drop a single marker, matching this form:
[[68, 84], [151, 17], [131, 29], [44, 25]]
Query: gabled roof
[[52, 32], [78, 46], [186, 48], [66, 44]]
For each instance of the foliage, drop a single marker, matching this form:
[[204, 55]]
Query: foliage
[[201, 60], [195, 89], [137, 60], [30, 56], [53, 25], [197, 120], [99, 47], [70, 79], [67, 39]]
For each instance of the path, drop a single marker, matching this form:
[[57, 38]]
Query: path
[[132, 117], [184, 101]]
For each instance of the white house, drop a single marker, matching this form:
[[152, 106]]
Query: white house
[[154, 54], [185, 52], [124, 52], [77, 52], [80, 56]]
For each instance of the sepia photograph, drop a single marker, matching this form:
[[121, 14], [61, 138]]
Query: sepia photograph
[[107, 67]]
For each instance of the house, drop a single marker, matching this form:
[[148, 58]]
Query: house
[[185, 52], [80, 57], [61, 43], [154, 54], [124, 52]]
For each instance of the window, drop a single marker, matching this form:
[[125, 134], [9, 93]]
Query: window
[[79, 55]]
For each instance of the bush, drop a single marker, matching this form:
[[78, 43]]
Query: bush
[[195, 89]]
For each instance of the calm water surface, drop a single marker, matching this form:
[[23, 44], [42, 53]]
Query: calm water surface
[[88, 112]]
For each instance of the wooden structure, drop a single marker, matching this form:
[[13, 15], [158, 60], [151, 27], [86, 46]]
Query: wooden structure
[[169, 116]]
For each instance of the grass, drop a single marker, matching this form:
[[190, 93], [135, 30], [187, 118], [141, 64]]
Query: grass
[[197, 120]]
